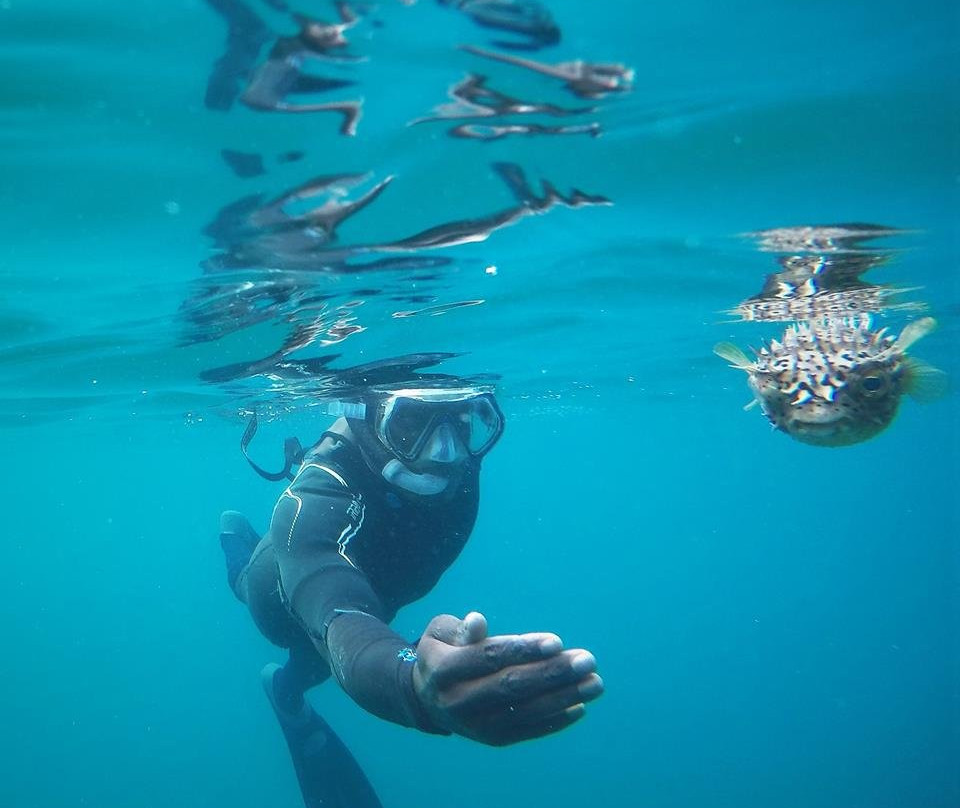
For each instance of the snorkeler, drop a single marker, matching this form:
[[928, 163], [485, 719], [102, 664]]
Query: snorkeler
[[381, 506]]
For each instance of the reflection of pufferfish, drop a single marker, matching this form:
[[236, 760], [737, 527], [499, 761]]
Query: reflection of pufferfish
[[835, 382]]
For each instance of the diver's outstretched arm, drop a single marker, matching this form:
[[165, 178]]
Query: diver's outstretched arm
[[494, 689], [497, 690]]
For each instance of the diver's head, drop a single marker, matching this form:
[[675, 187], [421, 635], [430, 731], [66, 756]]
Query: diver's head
[[423, 439]]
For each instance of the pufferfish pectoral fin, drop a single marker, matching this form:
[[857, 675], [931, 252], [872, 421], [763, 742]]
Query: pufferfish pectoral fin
[[918, 329], [925, 383], [736, 357]]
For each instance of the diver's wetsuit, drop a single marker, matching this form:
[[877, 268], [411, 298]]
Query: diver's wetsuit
[[345, 545]]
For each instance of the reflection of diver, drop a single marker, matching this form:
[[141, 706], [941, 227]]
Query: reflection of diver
[[281, 75], [475, 131], [255, 234], [583, 79], [526, 17], [268, 86], [381, 507], [250, 229], [467, 231], [246, 35], [472, 98]]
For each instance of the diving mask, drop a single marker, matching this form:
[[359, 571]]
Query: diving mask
[[408, 422]]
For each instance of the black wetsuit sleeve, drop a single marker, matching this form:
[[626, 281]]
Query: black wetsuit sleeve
[[375, 667], [313, 524]]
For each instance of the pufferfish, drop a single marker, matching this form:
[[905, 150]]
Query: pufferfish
[[836, 381]]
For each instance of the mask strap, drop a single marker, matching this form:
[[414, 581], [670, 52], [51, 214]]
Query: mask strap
[[292, 453]]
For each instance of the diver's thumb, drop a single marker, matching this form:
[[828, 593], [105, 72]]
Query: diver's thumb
[[473, 628], [452, 630]]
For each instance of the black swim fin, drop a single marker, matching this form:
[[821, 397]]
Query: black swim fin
[[328, 774], [238, 540]]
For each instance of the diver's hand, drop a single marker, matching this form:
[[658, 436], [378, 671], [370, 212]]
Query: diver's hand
[[501, 689]]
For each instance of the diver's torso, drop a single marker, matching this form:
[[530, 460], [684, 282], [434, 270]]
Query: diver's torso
[[403, 543]]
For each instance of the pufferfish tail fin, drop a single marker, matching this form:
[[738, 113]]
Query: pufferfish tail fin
[[736, 357], [925, 383]]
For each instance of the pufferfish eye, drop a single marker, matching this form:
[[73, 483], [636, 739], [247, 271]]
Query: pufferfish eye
[[873, 384]]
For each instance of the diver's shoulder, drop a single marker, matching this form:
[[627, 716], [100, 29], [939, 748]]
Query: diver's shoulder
[[333, 462]]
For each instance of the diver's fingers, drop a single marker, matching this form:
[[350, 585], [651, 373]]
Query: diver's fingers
[[502, 734], [540, 709], [492, 655], [518, 684]]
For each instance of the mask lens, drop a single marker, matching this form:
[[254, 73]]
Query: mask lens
[[406, 425], [485, 424], [408, 422]]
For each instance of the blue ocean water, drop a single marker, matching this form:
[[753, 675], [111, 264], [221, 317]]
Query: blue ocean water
[[776, 624]]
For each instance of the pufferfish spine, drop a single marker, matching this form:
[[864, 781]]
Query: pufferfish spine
[[814, 358]]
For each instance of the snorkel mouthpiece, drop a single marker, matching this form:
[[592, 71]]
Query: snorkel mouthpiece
[[395, 473]]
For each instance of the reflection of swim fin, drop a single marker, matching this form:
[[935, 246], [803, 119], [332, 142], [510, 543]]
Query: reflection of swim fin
[[329, 776], [516, 181]]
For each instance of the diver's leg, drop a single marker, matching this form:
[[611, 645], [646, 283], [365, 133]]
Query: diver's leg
[[329, 776], [304, 669]]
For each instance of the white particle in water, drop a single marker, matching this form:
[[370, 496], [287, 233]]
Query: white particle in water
[[171, 207]]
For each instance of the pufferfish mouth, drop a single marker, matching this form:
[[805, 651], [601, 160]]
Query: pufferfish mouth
[[823, 430], [809, 415], [819, 425], [817, 416], [817, 421]]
